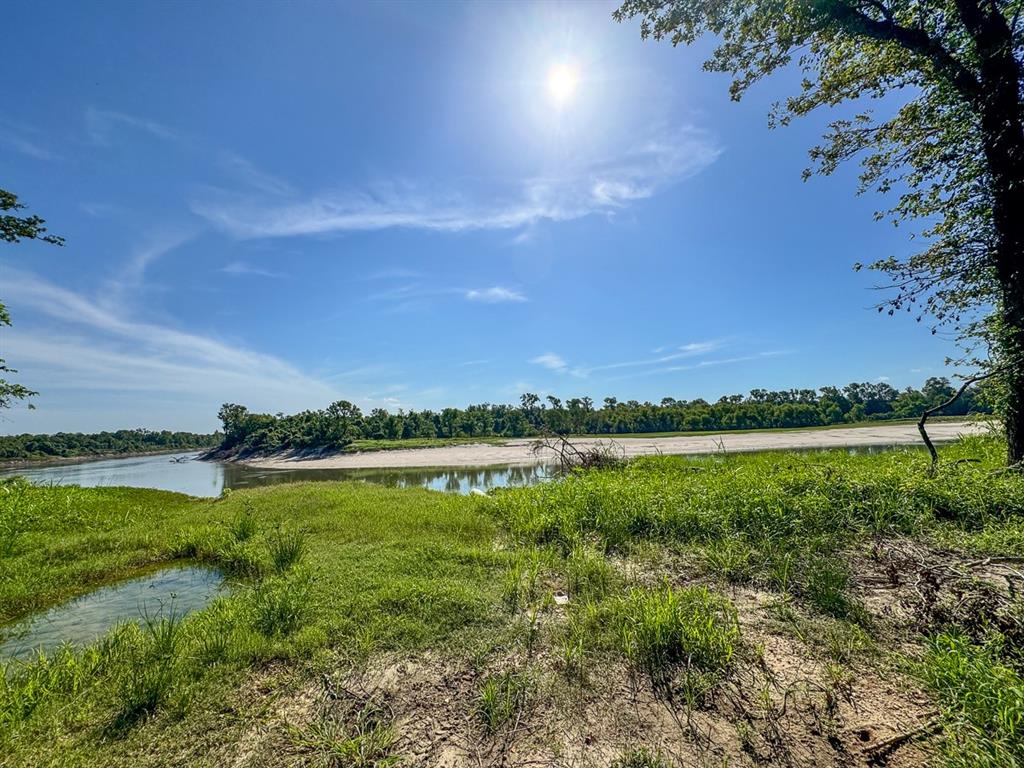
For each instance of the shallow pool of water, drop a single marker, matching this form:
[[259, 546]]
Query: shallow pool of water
[[178, 590]]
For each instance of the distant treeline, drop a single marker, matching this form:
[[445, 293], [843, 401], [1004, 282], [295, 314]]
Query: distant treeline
[[124, 441], [342, 423]]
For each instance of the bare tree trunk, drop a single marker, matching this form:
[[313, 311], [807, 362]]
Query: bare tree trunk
[[942, 406]]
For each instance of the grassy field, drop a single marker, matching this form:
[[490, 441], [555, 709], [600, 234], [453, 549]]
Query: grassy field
[[769, 609]]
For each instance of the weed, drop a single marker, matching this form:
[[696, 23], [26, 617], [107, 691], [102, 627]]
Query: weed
[[502, 698], [731, 559], [826, 587], [244, 526], [240, 560], [364, 739], [590, 576], [149, 678], [522, 581], [640, 758], [665, 629], [281, 605], [286, 548]]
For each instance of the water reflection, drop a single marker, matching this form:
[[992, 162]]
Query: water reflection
[[180, 590], [450, 479], [179, 472]]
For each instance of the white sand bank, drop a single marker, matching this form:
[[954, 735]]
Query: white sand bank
[[518, 451]]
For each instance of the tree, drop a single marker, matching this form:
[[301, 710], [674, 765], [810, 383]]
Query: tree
[[14, 229], [954, 154]]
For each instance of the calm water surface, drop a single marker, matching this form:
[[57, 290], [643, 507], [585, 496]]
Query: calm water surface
[[179, 590], [209, 478]]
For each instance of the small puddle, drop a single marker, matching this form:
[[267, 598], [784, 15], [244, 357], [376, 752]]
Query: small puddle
[[180, 590]]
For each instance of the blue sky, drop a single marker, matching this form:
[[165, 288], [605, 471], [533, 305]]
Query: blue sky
[[415, 205]]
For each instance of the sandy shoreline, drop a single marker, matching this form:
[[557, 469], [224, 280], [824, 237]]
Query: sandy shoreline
[[518, 451]]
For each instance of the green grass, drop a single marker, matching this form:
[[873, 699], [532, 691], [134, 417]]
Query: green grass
[[329, 576], [664, 630], [981, 696], [372, 570], [503, 698]]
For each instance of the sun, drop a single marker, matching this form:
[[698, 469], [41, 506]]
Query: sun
[[563, 80]]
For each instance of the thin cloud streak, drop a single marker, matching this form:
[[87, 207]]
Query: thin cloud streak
[[702, 364], [15, 140], [600, 188], [100, 123], [244, 269], [494, 295]]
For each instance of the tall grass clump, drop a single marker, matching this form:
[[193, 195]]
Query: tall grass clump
[[286, 548], [981, 699], [150, 676], [667, 630], [502, 698], [279, 606], [244, 525], [362, 739], [589, 574]]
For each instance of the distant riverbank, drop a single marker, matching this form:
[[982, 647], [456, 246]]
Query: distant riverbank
[[520, 451], [44, 461]]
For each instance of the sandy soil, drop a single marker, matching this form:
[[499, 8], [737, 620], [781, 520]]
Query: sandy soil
[[519, 451]]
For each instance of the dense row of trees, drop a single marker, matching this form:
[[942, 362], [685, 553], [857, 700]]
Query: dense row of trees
[[124, 441], [342, 422]]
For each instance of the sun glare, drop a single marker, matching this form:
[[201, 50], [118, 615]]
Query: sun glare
[[562, 82]]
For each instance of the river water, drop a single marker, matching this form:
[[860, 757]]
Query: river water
[[181, 472]]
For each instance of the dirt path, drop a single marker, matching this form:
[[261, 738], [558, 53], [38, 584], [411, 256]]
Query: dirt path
[[518, 451]]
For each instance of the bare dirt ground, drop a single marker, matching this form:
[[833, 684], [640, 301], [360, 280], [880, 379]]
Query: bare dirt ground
[[519, 451]]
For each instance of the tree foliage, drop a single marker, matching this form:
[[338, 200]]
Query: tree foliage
[[343, 423], [123, 441], [13, 229]]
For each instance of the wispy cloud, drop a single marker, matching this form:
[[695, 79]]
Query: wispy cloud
[[127, 284], [552, 362], [602, 187], [702, 364], [693, 349], [14, 137], [242, 268], [411, 296], [494, 295], [393, 273], [99, 348], [654, 365], [253, 176], [100, 123]]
